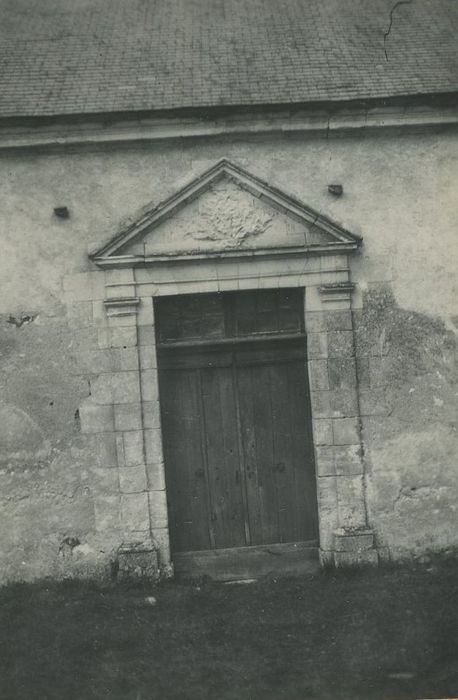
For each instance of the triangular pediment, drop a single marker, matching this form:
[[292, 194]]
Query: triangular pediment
[[225, 211]]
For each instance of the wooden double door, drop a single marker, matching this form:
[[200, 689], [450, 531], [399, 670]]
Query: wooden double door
[[236, 420]]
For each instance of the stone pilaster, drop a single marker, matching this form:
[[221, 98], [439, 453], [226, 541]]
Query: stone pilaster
[[336, 427]]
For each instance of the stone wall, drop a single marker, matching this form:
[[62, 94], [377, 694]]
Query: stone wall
[[57, 484]]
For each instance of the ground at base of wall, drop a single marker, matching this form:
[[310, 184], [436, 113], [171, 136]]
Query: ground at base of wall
[[370, 634]]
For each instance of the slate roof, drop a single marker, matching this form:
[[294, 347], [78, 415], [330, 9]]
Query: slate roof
[[97, 56]]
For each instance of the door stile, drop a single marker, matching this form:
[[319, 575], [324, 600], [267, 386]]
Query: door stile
[[243, 474], [203, 442]]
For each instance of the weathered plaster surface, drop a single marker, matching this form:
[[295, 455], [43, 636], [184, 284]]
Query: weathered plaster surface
[[408, 397], [397, 194]]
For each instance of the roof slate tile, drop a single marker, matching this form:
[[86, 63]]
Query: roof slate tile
[[61, 57]]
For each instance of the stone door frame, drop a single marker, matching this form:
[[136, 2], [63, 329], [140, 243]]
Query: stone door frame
[[125, 396], [123, 410]]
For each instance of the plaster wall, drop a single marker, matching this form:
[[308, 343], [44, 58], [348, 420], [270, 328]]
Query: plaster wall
[[55, 485]]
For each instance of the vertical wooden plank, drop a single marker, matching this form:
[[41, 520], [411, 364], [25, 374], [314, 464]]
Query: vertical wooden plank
[[284, 457], [223, 459], [185, 479], [277, 445], [253, 489], [257, 436]]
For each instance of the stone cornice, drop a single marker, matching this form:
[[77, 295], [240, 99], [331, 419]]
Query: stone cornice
[[126, 261], [107, 129]]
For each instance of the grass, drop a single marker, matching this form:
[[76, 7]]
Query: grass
[[382, 634]]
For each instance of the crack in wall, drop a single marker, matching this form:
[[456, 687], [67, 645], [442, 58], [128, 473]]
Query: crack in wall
[[388, 31]]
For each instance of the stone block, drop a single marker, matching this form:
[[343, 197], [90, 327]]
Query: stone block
[[149, 385], [122, 320], [342, 373], [117, 337], [132, 479], [96, 418], [292, 281], [350, 498], [151, 414], [340, 344], [146, 335], [155, 476], [354, 559], [170, 288], [338, 460], [125, 359], [153, 446], [347, 460], [158, 509], [148, 359], [321, 405], [318, 375], [328, 510], [226, 285], [362, 371], [134, 511], [127, 416], [344, 403], [161, 535], [133, 448], [101, 389], [315, 322], [317, 346], [145, 313], [148, 289], [119, 276], [346, 431], [104, 450], [325, 461], [120, 291], [334, 262], [326, 558], [204, 287], [333, 277], [107, 513], [353, 540], [99, 314], [334, 302], [313, 301], [104, 481], [338, 320], [125, 387], [322, 431], [137, 562], [378, 371], [120, 450]]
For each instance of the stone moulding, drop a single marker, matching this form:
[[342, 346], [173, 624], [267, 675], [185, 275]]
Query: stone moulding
[[320, 267], [124, 306], [338, 291]]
